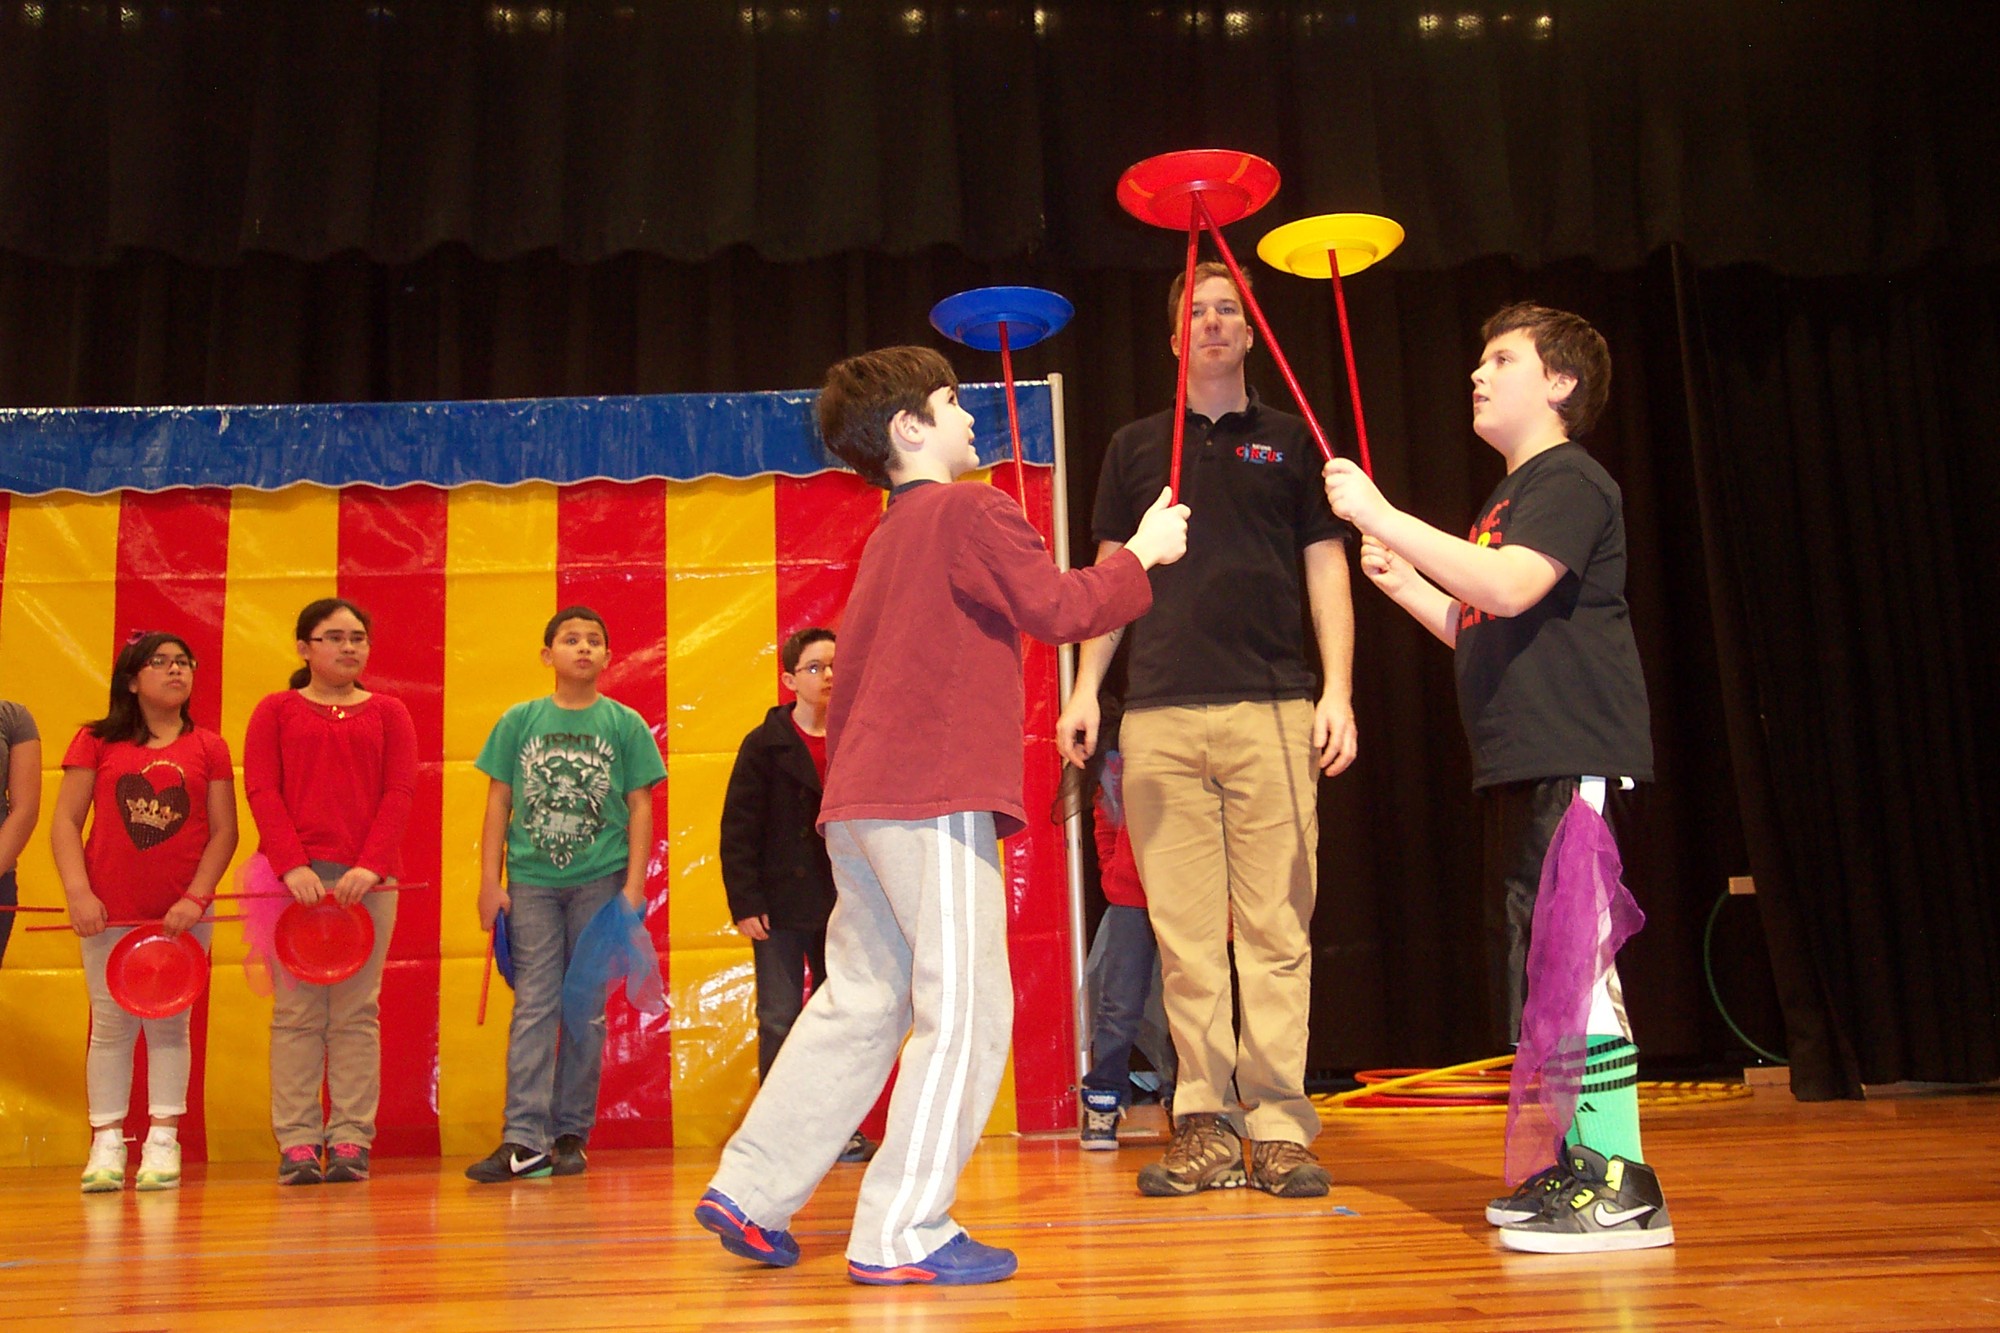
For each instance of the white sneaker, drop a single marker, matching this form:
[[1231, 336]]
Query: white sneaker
[[159, 1165], [104, 1170]]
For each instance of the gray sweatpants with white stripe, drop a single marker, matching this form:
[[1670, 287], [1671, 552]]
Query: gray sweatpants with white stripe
[[917, 945]]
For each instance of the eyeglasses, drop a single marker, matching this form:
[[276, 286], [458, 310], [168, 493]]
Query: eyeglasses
[[162, 662], [813, 668], [341, 638]]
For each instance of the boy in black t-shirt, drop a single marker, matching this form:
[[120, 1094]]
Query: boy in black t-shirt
[[1549, 686]]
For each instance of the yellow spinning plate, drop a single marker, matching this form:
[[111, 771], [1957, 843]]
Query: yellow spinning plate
[[1302, 247]]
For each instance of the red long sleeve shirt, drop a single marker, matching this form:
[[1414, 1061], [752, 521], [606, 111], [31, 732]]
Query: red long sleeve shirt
[[927, 718], [330, 783]]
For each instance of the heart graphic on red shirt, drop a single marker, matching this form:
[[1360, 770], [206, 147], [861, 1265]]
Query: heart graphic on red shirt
[[152, 814]]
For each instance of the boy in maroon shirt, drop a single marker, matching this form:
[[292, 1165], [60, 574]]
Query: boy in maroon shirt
[[925, 778]]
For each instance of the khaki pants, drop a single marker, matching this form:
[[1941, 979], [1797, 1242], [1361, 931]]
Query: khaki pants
[[1222, 800], [332, 1033]]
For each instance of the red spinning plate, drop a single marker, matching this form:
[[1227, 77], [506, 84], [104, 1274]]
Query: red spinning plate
[[1161, 189], [324, 943], [156, 975]]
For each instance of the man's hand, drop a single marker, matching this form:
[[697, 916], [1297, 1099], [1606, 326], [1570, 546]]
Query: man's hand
[[1353, 496], [1334, 738], [493, 900], [1162, 535], [304, 882], [1384, 568], [756, 927], [1076, 729]]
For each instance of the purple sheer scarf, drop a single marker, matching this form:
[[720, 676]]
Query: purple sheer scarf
[[1583, 915]]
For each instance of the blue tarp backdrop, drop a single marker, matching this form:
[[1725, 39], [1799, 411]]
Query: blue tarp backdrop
[[677, 436]]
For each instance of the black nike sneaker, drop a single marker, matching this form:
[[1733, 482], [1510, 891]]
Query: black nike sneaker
[[510, 1161], [1606, 1204]]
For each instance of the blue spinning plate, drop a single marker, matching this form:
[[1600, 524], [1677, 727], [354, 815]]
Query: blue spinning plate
[[976, 317], [503, 949]]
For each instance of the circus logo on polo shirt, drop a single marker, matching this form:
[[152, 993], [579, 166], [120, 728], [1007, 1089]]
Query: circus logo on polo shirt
[[152, 813], [1487, 532], [1259, 453], [565, 778]]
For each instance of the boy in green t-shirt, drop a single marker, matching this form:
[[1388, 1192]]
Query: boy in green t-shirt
[[571, 805]]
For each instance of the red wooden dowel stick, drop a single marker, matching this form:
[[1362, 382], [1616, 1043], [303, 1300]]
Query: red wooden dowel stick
[[1263, 327], [119, 925], [1013, 417], [1347, 347], [485, 980], [1181, 376], [280, 893]]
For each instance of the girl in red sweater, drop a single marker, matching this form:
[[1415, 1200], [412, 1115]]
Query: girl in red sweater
[[160, 801], [330, 770]]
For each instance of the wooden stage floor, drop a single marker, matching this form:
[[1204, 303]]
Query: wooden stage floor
[[1877, 1215]]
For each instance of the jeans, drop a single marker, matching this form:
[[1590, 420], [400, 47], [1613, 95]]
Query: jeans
[[1123, 960], [551, 1081], [9, 896], [781, 986]]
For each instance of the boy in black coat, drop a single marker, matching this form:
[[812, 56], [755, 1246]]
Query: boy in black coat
[[774, 863]]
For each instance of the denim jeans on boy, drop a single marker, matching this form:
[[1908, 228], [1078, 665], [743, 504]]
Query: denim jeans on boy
[[1124, 959], [551, 1081]]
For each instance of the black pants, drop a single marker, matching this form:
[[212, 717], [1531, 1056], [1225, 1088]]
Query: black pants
[[10, 894], [781, 986], [1520, 821]]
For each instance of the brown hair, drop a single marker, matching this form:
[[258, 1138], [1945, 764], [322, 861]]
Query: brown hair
[[795, 647], [1567, 345], [863, 394], [1206, 269]]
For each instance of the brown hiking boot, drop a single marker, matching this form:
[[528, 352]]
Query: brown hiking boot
[[1205, 1155], [1286, 1169]]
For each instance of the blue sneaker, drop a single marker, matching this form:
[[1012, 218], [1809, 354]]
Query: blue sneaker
[[959, 1262], [740, 1236], [1101, 1113]]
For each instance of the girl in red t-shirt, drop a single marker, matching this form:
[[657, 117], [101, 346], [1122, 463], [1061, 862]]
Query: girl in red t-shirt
[[330, 769], [160, 800]]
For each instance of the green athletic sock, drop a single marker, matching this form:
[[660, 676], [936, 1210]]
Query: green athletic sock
[[1607, 1109]]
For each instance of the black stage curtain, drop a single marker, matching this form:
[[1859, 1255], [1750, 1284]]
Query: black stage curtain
[[1836, 137], [1766, 211]]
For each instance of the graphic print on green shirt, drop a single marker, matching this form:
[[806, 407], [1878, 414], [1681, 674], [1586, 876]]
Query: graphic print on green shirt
[[565, 781]]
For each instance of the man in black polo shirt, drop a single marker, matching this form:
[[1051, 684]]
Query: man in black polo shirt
[[1226, 733]]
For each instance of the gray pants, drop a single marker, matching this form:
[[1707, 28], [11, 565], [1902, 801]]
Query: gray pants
[[114, 1032], [551, 1080], [917, 945], [331, 1033]]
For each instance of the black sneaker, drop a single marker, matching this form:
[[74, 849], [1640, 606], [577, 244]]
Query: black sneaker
[[346, 1162], [510, 1161], [1604, 1205], [1527, 1199], [860, 1148], [567, 1156], [300, 1165]]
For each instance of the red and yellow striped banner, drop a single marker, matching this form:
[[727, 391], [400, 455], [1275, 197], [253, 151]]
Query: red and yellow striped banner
[[699, 581]]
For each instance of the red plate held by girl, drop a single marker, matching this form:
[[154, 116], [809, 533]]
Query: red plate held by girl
[[324, 943], [156, 975]]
